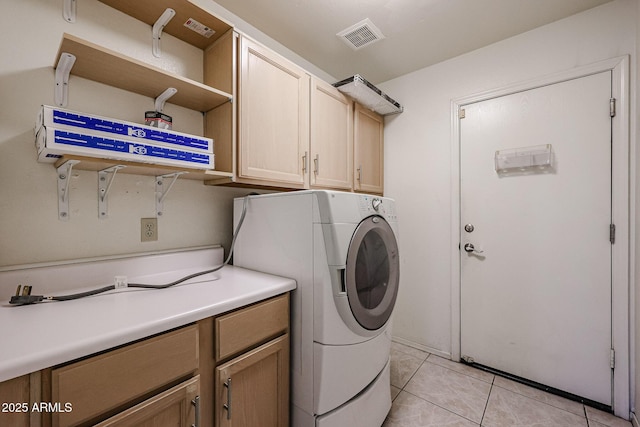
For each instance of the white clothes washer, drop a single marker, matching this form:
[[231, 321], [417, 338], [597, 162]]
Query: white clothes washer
[[341, 248]]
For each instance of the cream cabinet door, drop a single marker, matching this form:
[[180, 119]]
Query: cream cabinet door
[[368, 151], [273, 118], [331, 137]]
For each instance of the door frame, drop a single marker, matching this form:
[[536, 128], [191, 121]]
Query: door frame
[[623, 188]]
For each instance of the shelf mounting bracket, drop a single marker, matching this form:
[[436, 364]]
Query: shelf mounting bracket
[[104, 185], [64, 177], [69, 11], [162, 98], [63, 69], [162, 190], [156, 31]]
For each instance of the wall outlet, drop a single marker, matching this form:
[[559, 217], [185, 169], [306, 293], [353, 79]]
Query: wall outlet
[[148, 229]]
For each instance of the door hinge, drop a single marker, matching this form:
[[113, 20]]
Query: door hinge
[[612, 107], [612, 359], [612, 233], [461, 113]]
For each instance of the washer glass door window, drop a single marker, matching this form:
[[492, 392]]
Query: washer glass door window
[[372, 273]]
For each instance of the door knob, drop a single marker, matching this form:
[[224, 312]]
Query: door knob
[[468, 247]]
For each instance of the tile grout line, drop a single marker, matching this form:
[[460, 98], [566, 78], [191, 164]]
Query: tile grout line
[[441, 407], [586, 417], [435, 404], [415, 372], [486, 405]]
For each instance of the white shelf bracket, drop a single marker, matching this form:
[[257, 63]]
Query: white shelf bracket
[[162, 98], [63, 69], [158, 27], [64, 177], [104, 185], [69, 10], [162, 190]]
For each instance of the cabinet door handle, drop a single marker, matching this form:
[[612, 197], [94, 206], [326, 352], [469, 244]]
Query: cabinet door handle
[[196, 403], [227, 405], [316, 164], [304, 163], [360, 173]]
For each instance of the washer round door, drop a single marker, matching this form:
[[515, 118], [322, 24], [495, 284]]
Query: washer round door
[[372, 272]]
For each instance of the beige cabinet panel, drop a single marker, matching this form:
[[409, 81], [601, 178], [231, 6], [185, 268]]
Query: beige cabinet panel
[[368, 151], [220, 70], [273, 117], [331, 137], [253, 389], [176, 407]]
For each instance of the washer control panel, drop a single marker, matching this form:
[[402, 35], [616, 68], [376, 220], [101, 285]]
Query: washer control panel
[[375, 205]]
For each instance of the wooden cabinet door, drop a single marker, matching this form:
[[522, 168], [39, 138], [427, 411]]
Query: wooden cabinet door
[[273, 118], [15, 397], [368, 151], [176, 407], [331, 137], [253, 389], [101, 384]]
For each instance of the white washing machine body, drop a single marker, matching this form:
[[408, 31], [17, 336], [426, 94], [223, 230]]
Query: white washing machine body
[[341, 249]]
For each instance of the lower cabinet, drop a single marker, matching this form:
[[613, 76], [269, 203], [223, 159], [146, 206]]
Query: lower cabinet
[[251, 375], [137, 380], [253, 389], [178, 406], [228, 370], [16, 399]]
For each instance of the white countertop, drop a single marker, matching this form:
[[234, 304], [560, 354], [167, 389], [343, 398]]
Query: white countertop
[[43, 335]]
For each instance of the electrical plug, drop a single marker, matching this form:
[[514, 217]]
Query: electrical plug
[[25, 297]]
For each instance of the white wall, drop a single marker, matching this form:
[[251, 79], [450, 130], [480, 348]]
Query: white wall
[[30, 231], [418, 147]]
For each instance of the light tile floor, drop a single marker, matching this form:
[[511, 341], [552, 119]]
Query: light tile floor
[[428, 390]]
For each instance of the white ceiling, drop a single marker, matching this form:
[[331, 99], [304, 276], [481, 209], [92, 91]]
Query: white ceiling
[[418, 33]]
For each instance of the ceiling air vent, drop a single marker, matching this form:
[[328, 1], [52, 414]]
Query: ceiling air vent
[[361, 34]]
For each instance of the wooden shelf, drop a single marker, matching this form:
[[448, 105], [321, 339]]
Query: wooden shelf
[[149, 11], [134, 168], [102, 65]]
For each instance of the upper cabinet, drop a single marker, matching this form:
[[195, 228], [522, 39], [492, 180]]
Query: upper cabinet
[[273, 140], [273, 125], [368, 151], [331, 137], [293, 131]]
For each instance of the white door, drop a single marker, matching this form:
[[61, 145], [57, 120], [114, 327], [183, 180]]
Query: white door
[[536, 302]]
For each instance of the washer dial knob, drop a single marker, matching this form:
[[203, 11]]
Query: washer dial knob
[[375, 203]]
